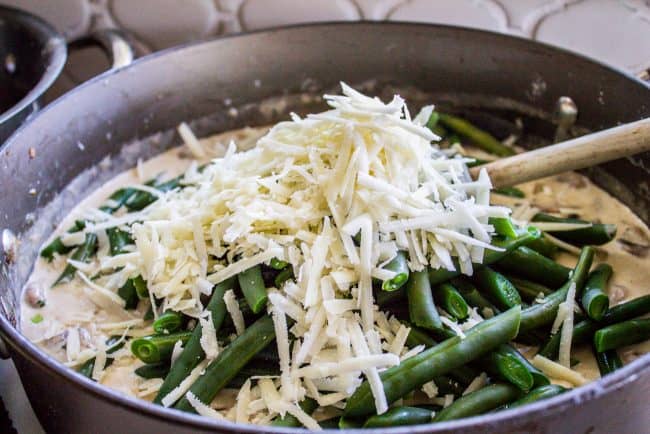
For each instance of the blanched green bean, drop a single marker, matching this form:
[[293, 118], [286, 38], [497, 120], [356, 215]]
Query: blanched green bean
[[544, 313], [622, 334], [157, 348], [252, 286], [480, 138], [438, 360], [154, 370], [83, 253], [538, 394], [449, 299], [399, 265], [308, 405], [230, 361], [169, 322], [422, 310], [608, 361], [479, 402], [529, 264], [399, 416], [496, 288], [594, 298], [595, 235], [192, 353]]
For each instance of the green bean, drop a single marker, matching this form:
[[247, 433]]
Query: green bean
[[544, 247], [528, 290], [141, 199], [252, 285], [503, 226], [114, 343], [308, 405], [253, 369], [83, 253], [399, 416], [57, 246], [117, 240], [419, 337], [192, 353], [400, 266], [538, 394], [595, 235], [473, 297], [128, 292], [140, 287], [584, 330], [422, 310], [170, 321], [479, 402], [283, 276], [608, 361], [448, 298], [501, 363], [229, 361], [531, 265], [519, 363], [544, 313], [510, 192], [476, 162], [438, 360], [441, 275], [349, 423], [331, 423], [278, 264], [117, 199], [594, 298], [154, 370], [622, 334], [496, 287], [481, 139], [157, 348]]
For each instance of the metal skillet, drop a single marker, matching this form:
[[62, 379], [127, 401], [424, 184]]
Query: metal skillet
[[225, 84]]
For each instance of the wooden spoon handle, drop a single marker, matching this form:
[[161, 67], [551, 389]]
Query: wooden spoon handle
[[578, 153]]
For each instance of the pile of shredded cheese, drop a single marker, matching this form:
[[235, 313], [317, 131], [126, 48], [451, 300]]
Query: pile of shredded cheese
[[301, 195]]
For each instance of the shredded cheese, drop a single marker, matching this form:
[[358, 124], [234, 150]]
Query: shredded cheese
[[560, 372]]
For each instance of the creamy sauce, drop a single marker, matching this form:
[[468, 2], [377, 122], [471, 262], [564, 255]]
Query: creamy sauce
[[68, 305]]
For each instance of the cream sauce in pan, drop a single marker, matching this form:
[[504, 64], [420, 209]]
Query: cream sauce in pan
[[68, 307]]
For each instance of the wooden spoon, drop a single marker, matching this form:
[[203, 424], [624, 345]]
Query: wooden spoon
[[584, 151]]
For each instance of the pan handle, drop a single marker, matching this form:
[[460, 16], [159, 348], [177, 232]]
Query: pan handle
[[115, 44]]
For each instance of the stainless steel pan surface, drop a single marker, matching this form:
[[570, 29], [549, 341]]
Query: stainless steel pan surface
[[227, 83]]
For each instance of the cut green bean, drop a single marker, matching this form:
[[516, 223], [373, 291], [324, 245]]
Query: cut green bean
[[501, 363], [252, 286], [128, 292], [608, 362], [141, 199], [399, 266], [584, 330], [278, 264], [449, 299], [510, 192], [422, 310], [594, 298], [496, 288], [114, 343], [117, 240], [308, 405], [595, 235], [544, 247], [140, 287], [539, 379], [83, 253], [479, 402], [544, 313], [230, 361], [527, 263], [413, 372], [538, 394], [399, 416], [192, 353], [473, 297], [504, 227], [118, 199], [155, 370], [170, 321], [283, 276], [441, 275], [57, 246], [529, 291], [480, 138], [157, 348], [622, 334]]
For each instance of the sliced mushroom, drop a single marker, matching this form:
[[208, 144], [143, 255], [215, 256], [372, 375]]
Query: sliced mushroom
[[35, 295]]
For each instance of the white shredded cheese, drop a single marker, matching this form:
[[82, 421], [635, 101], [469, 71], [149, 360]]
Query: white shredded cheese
[[557, 371], [232, 306], [566, 334]]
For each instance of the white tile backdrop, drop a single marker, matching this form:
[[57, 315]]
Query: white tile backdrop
[[613, 31]]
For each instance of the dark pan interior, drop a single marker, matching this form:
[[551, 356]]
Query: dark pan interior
[[490, 78]]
